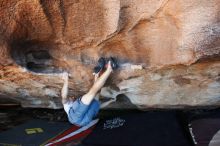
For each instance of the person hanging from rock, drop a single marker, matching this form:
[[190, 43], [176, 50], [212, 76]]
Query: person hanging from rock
[[81, 111]]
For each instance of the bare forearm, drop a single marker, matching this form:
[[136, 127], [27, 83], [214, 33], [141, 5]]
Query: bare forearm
[[64, 91]]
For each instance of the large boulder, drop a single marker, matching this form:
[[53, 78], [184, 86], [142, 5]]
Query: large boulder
[[168, 51]]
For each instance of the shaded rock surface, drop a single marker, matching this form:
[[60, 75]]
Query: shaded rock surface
[[168, 51]]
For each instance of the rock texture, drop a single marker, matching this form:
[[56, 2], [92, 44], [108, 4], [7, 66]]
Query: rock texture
[[168, 50]]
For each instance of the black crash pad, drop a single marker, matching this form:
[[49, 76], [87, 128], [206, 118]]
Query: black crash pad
[[140, 129], [204, 128], [32, 133]]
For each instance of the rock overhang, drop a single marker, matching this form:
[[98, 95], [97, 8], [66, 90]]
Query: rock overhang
[[176, 43]]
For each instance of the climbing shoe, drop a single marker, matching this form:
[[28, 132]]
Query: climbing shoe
[[100, 66], [114, 63]]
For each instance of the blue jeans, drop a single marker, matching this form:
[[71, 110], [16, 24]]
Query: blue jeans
[[79, 113]]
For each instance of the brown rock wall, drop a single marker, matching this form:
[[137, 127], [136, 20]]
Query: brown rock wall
[[177, 42]]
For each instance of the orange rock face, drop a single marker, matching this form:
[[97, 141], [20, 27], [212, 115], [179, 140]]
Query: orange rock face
[[168, 50]]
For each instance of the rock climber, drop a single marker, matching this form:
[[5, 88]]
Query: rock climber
[[81, 111]]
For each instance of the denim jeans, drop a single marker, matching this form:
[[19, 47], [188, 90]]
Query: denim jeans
[[79, 113]]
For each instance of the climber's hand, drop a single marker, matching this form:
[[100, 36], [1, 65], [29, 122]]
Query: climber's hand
[[65, 76]]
